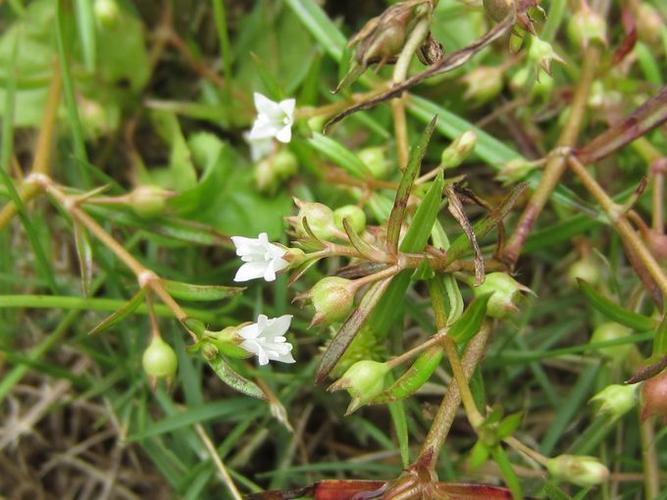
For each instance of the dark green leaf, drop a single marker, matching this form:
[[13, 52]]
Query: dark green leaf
[[397, 216], [614, 311]]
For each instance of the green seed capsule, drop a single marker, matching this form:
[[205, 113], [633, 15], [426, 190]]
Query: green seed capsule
[[148, 201], [159, 359], [355, 216]]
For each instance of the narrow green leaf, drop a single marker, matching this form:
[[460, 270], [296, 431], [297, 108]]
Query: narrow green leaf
[[400, 421], [188, 291], [467, 326], [128, 308], [427, 362], [509, 424], [87, 35], [230, 377], [340, 155], [614, 311], [68, 92], [84, 253], [403, 193], [413, 378], [416, 237], [507, 471], [487, 147], [219, 410], [660, 340], [320, 26]]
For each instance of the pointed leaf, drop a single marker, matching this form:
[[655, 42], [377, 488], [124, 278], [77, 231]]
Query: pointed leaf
[[188, 291], [422, 223], [340, 155], [427, 362], [405, 187], [84, 253], [467, 326], [614, 311], [230, 377], [127, 309]]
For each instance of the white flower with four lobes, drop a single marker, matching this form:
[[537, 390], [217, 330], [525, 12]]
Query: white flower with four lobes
[[262, 259], [274, 119], [266, 339]]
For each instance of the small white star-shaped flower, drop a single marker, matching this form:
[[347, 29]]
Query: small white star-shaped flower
[[266, 339], [274, 119], [262, 259], [259, 148]]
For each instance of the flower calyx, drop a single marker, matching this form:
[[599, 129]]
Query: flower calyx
[[363, 381]]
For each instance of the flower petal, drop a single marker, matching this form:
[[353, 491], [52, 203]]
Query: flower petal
[[250, 271], [264, 105], [287, 106], [284, 135]]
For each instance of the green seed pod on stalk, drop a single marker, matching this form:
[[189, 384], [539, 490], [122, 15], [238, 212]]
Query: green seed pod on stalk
[[159, 359], [319, 217], [580, 470], [355, 216], [363, 380], [376, 161], [504, 291], [333, 299], [148, 201]]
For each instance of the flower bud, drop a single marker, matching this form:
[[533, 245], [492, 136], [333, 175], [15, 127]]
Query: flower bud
[[525, 79], [226, 341], [586, 26], [271, 171], [542, 54], [148, 201], [159, 359], [580, 470], [504, 290], [654, 397], [106, 13], [615, 400], [382, 37], [515, 170], [374, 158], [584, 269], [363, 380], [613, 331], [649, 24], [498, 9], [484, 84], [333, 299], [458, 150], [355, 216], [320, 220]]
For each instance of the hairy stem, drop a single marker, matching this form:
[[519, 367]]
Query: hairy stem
[[442, 422], [630, 238], [557, 164]]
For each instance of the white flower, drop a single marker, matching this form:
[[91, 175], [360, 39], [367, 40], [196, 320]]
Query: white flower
[[266, 339], [261, 258], [274, 119], [259, 148]]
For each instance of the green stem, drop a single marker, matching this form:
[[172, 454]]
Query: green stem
[[91, 304], [649, 460]]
